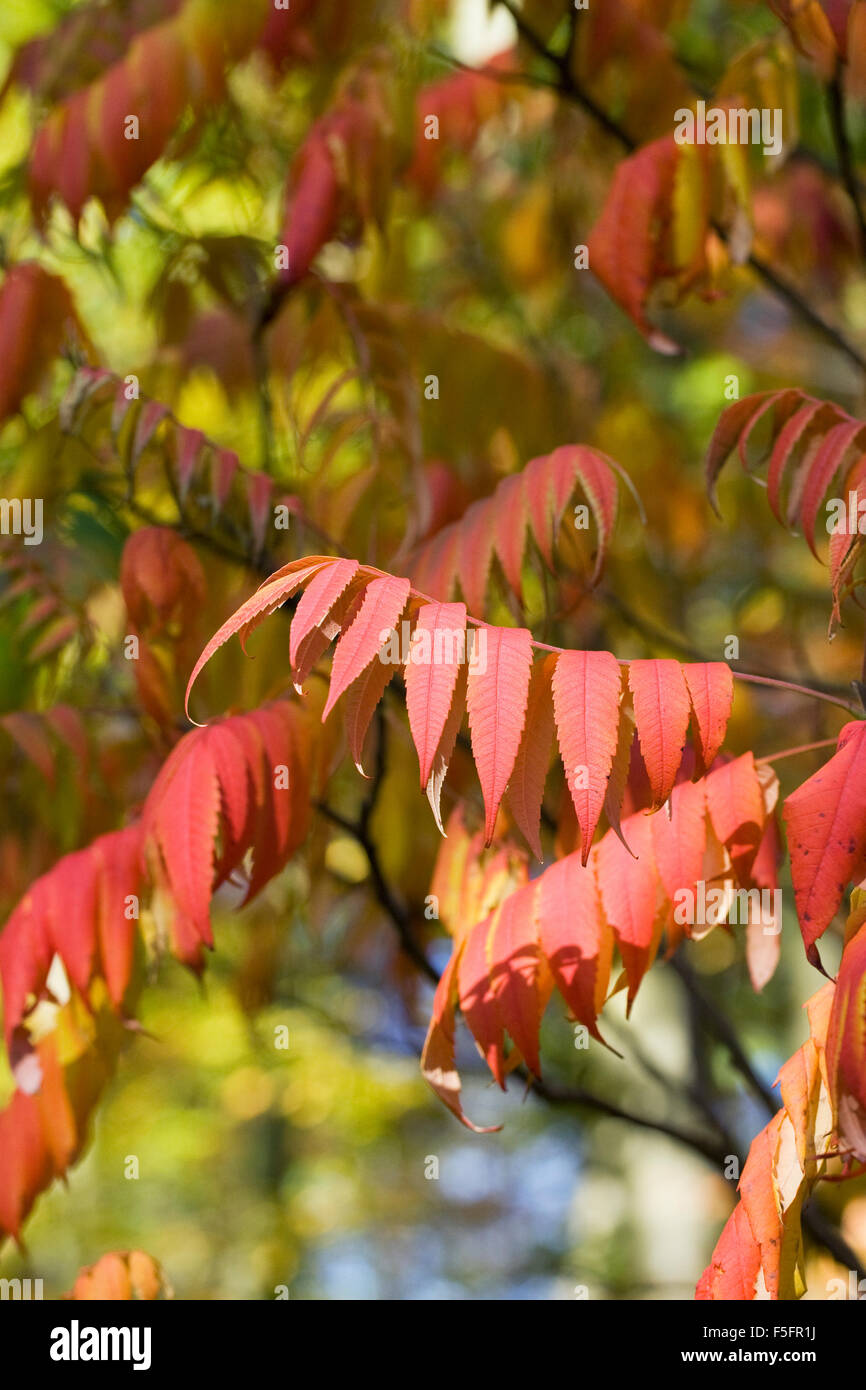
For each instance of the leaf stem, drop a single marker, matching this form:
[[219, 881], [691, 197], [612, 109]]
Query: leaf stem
[[793, 752], [796, 689], [747, 676]]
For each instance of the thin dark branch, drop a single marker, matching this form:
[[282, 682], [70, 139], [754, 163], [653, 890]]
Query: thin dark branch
[[660, 636], [390, 904], [836, 108], [266, 409], [825, 1233], [720, 1025], [566, 85], [502, 75], [786, 291], [571, 46], [577, 1097]]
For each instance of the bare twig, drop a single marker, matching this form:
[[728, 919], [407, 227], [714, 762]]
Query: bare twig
[[720, 1025], [836, 108], [795, 752]]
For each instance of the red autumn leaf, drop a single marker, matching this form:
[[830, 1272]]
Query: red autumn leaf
[[86, 148], [736, 1262], [733, 430], [182, 827], [824, 467], [573, 915], [475, 552], [711, 692], [477, 995], [75, 911], [496, 696], [117, 874], [626, 760], [846, 1047], [536, 500], [549, 483], [437, 1059], [312, 206], [445, 748], [92, 38], [161, 579], [627, 246], [575, 937], [342, 173], [381, 607], [225, 777], [35, 314], [763, 939], [785, 448], [469, 880], [44, 1127], [460, 103], [547, 933], [587, 687], [519, 979], [680, 839], [759, 1253], [361, 703], [737, 811], [438, 640], [811, 440], [280, 813], [526, 787], [758, 1198], [827, 835], [26, 1164], [661, 709], [629, 895], [319, 597]]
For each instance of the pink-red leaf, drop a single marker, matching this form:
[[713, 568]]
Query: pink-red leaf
[[575, 937], [437, 1059], [661, 710], [711, 692], [317, 601], [438, 642], [629, 897], [587, 687], [445, 748], [827, 834], [737, 812], [361, 702], [478, 998], [519, 979], [497, 694], [526, 787], [383, 603]]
